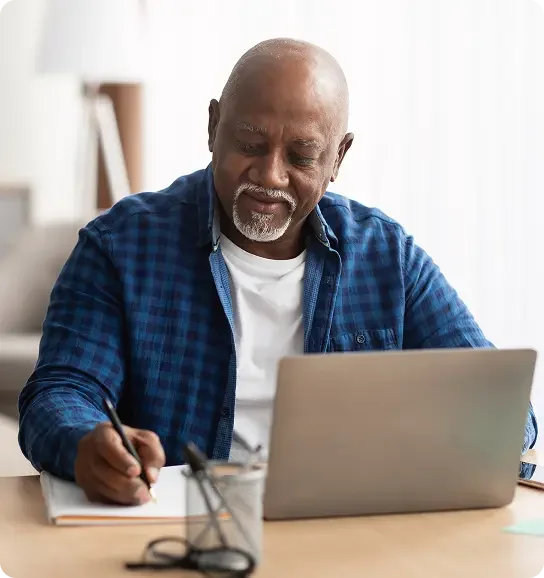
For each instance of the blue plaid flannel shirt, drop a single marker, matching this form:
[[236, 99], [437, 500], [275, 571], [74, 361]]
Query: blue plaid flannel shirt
[[141, 313]]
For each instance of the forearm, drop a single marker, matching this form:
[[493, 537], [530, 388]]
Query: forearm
[[55, 413], [81, 358]]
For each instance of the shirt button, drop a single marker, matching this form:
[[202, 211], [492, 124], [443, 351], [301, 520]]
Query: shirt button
[[360, 339], [225, 412]]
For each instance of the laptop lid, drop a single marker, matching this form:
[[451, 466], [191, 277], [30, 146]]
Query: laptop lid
[[397, 431]]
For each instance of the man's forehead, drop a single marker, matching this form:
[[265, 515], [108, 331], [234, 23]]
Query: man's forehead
[[261, 111]]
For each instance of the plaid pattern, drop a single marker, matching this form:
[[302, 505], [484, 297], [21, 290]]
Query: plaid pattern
[[141, 312]]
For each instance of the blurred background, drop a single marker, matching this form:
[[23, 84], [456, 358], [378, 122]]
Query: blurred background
[[102, 98]]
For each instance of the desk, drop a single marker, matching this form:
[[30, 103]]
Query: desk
[[443, 545]]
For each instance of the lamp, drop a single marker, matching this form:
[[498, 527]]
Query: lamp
[[97, 42]]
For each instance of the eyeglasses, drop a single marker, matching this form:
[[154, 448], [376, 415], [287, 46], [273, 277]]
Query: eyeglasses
[[225, 562]]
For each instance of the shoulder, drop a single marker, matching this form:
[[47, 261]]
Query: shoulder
[[174, 205], [352, 222]]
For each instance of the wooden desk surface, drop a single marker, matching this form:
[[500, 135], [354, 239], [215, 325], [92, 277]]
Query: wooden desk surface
[[444, 545]]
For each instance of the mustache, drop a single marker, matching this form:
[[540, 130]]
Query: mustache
[[276, 194]]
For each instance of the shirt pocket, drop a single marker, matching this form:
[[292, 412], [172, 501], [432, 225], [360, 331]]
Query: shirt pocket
[[364, 340]]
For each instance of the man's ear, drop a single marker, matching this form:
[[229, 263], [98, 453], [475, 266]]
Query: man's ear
[[213, 121], [344, 147]]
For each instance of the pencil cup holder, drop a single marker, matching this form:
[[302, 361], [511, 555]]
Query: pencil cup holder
[[236, 504]]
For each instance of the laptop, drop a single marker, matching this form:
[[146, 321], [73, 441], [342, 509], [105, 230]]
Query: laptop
[[397, 432]]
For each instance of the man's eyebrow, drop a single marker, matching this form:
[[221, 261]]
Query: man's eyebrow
[[248, 127], [303, 142], [310, 143]]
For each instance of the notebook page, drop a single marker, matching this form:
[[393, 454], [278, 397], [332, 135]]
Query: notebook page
[[66, 499]]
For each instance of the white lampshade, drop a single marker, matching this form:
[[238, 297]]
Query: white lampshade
[[98, 41]]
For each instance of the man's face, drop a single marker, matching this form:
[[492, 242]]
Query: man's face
[[276, 145]]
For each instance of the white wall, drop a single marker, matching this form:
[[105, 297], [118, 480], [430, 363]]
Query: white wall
[[38, 118], [448, 109]]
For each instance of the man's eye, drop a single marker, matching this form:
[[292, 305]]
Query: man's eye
[[301, 160]]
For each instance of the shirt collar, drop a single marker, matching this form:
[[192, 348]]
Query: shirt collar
[[209, 216]]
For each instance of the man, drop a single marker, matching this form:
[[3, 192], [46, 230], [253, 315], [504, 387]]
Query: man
[[177, 305]]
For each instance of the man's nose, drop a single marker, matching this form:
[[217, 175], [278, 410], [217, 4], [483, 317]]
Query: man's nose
[[270, 171]]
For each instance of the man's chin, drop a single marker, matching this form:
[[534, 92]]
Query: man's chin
[[261, 228]]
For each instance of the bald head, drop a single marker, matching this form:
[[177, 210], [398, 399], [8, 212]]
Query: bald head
[[296, 63], [277, 137]]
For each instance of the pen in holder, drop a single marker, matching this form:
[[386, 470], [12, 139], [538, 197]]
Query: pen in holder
[[231, 494]]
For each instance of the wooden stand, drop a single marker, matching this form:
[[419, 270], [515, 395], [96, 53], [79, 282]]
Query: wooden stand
[[127, 105]]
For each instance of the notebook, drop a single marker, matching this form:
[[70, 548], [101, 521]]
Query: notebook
[[67, 504]]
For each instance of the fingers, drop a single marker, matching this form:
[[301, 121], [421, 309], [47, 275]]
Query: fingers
[[107, 472], [116, 487], [151, 453]]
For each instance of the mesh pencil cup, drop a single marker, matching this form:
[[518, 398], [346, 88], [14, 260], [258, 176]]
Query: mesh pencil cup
[[238, 519]]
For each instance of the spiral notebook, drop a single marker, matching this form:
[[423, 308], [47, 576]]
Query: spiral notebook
[[67, 504]]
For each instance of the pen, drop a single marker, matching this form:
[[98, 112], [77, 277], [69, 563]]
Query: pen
[[116, 423]]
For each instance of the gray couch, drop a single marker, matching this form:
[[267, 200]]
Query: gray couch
[[28, 272]]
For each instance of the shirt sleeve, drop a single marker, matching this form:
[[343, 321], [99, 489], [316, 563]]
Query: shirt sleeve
[[80, 358], [436, 317]]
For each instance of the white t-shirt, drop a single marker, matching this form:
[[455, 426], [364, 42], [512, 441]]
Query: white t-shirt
[[267, 305]]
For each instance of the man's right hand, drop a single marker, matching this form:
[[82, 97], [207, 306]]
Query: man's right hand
[[107, 472]]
